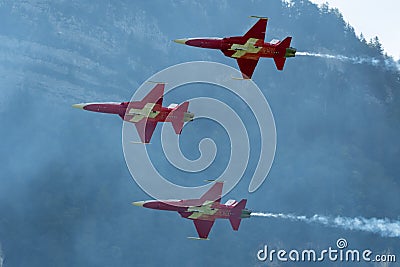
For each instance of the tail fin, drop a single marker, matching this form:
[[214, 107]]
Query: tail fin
[[236, 212], [281, 48], [283, 45], [177, 116]]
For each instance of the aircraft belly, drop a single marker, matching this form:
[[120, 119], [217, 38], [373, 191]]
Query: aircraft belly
[[251, 56], [202, 211], [208, 213], [164, 116], [268, 52], [204, 217], [136, 118]]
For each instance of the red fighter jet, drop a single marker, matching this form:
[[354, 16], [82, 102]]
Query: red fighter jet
[[249, 48], [147, 113], [205, 210]]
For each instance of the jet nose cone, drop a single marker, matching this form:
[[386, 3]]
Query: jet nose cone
[[181, 41], [138, 203], [81, 105]]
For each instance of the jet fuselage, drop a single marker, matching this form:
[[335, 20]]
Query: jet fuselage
[[145, 114], [204, 210], [249, 48], [241, 47], [127, 111], [196, 209]]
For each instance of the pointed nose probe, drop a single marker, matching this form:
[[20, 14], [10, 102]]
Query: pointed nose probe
[[181, 41], [80, 106]]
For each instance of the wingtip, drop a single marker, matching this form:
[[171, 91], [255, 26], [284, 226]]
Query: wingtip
[[156, 82], [141, 143], [240, 78], [258, 17], [197, 238]]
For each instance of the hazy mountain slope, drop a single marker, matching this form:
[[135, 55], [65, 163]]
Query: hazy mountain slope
[[65, 191]]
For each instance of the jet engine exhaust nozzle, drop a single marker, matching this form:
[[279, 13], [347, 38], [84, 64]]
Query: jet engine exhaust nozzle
[[290, 52]]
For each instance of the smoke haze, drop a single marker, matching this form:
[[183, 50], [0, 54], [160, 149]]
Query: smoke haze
[[383, 227]]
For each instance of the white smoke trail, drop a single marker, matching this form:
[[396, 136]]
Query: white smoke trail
[[383, 227], [354, 60], [1, 256]]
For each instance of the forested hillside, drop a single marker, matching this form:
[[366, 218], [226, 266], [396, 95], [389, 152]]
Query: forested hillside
[[65, 190]]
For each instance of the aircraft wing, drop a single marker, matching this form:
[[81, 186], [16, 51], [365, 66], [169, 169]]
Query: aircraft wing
[[155, 96], [279, 62], [214, 193], [258, 30], [145, 129], [247, 67], [203, 227]]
